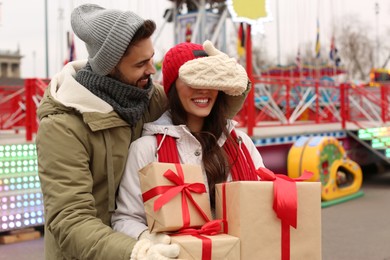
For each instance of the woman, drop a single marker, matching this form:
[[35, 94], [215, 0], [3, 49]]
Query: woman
[[197, 81]]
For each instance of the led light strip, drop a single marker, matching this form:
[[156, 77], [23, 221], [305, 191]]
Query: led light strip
[[21, 219], [371, 133], [381, 143], [379, 137], [21, 203]]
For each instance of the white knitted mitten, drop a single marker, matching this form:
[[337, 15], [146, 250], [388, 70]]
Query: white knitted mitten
[[155, 237], [216, 71], [154, 246], [145, 249]]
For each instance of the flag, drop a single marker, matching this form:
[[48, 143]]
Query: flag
[[71, 48], [72, 51], [188, 32], [318, 44], [241, 40], [333, 55], [298, 59]]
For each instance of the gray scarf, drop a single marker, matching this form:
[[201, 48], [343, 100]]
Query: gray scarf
[[128, 101]]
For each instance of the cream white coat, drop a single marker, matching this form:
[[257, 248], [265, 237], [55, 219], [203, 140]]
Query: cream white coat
[[129, 217]]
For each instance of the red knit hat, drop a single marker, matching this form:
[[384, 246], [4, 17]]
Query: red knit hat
[[175, 58]]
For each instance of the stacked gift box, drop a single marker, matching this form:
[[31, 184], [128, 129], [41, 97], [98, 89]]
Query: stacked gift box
[[250, 223]]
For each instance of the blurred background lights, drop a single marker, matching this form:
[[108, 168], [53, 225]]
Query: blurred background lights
[[20, 192]]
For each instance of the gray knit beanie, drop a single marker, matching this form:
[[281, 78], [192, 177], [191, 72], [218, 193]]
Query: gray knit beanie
[[106, 33]]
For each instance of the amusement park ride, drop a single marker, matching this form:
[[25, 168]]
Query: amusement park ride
[[301, 118]]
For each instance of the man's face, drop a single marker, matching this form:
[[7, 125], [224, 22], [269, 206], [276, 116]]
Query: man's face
[[137, 65]]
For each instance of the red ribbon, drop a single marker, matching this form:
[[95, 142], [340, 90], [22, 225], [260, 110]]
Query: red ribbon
[[285, 202], [211, 228], [224, 212], [168, 192]]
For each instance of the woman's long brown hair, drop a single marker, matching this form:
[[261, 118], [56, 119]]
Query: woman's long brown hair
[[214, 158]]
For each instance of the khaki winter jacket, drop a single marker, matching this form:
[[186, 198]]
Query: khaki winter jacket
[[82, 148]]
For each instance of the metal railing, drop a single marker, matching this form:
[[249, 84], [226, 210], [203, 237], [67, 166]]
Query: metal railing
[[281, 101], [277, 101]]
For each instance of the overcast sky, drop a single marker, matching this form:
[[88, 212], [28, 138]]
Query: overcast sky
[[22, 25]]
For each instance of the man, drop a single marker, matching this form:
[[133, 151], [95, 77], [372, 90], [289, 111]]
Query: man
[[89, 115]]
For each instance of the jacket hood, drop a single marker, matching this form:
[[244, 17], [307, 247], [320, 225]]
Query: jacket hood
[[64, 93]]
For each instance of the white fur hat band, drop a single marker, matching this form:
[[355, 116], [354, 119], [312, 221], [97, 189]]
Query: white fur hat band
[[216, 71]]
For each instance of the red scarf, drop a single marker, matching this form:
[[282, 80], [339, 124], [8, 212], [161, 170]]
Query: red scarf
[[242, 167]]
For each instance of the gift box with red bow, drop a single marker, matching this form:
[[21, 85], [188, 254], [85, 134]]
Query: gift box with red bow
[[207, 243], [276, 218], [174, 196], [220, 246]]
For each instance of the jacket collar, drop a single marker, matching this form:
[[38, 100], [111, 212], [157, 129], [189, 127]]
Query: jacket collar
[[67, 91], [66, 95]]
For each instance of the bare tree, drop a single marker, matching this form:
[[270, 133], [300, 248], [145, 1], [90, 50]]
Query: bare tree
[[356, 45], [386, 49], [260, 56], [356, 48]]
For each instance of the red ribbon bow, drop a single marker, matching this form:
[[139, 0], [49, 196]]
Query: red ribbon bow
[[285, 202], [170, 191], [211, 228]]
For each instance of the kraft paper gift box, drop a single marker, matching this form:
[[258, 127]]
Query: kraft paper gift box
[[172, 216], [222, 247], [250, 216]]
